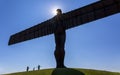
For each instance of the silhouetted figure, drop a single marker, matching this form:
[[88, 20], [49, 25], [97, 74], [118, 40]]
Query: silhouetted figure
[[27, 68], [60, 37], [39, 67], [34, 69]]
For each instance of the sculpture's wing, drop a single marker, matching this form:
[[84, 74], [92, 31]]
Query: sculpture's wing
[[91, 13], [71, 19], [42, 29]]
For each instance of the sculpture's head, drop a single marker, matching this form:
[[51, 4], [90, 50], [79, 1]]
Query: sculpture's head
[[59, 11]]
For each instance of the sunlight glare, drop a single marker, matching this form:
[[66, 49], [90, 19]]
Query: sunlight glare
[[54, 12]]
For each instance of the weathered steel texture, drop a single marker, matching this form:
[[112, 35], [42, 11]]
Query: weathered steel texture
[[69, 20]]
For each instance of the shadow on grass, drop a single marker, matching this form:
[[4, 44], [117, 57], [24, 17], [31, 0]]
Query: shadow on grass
[[66, 71]]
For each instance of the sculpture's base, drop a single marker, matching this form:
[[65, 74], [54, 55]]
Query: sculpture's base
[[66, 71], [61, 66]]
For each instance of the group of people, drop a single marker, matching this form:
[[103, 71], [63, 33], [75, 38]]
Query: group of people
[[28, 68]]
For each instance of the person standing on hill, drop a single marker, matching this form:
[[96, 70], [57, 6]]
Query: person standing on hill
[[34, 69], [27, 68], [38, 67]]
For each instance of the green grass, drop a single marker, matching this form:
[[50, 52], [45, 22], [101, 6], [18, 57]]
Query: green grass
[[66, 71]]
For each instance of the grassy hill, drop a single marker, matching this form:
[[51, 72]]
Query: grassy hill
[[66, 71]]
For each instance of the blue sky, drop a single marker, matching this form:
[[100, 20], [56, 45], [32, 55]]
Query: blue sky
[[95, 45]]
